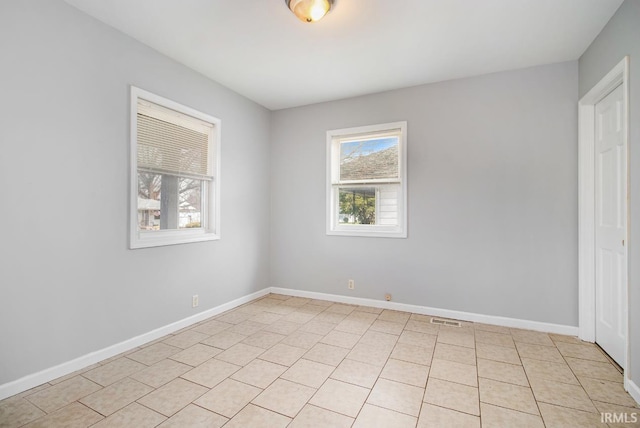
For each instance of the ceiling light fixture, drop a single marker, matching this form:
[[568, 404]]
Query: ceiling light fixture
[[309, 10]]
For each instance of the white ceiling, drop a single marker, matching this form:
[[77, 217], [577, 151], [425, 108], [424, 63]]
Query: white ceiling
[[261, 50]]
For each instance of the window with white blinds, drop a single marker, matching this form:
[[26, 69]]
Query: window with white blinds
[[175, 172], [367, 181]]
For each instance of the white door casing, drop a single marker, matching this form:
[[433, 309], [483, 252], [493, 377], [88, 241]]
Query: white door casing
[[611, 225], [618, 76]]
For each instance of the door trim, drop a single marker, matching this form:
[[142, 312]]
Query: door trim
[[619, 75]]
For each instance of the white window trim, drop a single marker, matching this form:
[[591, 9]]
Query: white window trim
[[379, 231], [211, 199]]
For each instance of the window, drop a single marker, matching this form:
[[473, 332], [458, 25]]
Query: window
[[366, 185], [175, 180]]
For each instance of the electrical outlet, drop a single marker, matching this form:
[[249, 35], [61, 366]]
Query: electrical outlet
[[194, 301], [352, 284]]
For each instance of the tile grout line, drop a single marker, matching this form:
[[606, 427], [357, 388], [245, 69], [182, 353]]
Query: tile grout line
[[475, 350], [529, 381]]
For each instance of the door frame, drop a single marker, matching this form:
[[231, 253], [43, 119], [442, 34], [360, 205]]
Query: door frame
[[619, 75]]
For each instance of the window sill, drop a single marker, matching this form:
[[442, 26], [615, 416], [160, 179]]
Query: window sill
[[374, 233], [160, 238]]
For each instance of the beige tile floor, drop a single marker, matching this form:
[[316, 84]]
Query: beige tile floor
[[284, 361]]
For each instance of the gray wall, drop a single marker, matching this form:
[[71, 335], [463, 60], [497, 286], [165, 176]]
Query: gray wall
[[492, 194], [492, 197], [68, 283], [620, 37]]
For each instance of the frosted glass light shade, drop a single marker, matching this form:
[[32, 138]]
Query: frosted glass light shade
[[309, 10]]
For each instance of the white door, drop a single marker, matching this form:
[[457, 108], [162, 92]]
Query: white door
[[611, 226]]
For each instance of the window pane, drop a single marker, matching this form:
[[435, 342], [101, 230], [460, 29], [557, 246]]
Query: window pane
[[190, 203], [357, 205], [388, 205], [169, 202], [369, 159], [149, 201]]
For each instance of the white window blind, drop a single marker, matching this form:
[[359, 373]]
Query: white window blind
[[173, 143]]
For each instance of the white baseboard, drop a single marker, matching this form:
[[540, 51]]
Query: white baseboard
[[30, 381], [632, 389], [35, 379], [425, 310]]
